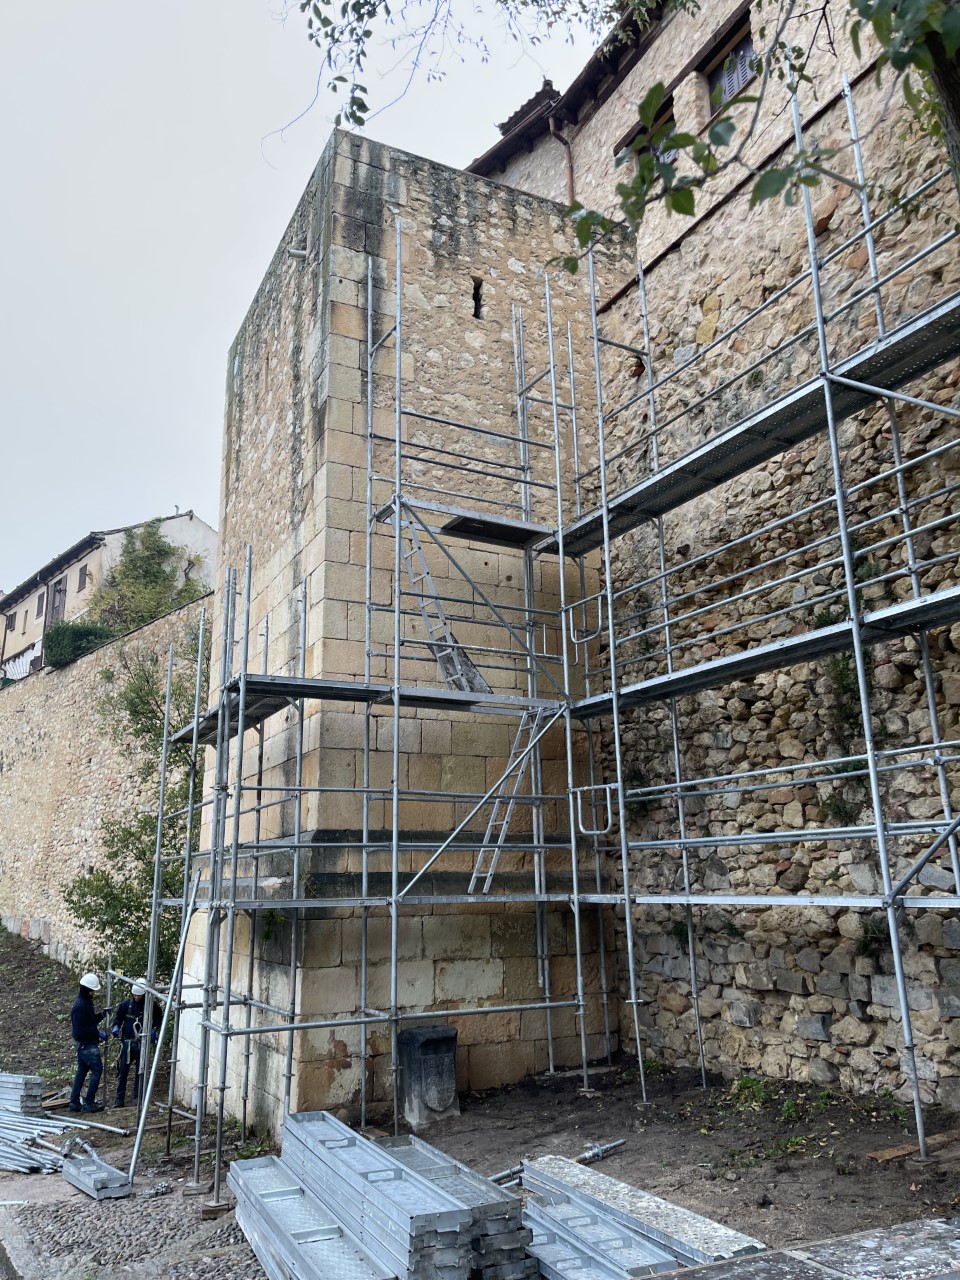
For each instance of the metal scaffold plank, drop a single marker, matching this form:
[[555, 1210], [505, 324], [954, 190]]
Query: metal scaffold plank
[[906, 353], [603, 1239], [939, 609], [475, 526], [284, 1223], [690, 1237], [268, 695]]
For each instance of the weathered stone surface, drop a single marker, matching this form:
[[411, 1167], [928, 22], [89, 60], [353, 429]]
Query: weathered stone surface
[[851, 1030], [884, 991], [821, 1072], [743, 1013], [815, 1028], [61, 771]]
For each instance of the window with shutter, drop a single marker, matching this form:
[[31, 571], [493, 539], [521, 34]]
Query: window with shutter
[[82, 577], [664, 120], [11, 621], [661, 149], [732, 72]]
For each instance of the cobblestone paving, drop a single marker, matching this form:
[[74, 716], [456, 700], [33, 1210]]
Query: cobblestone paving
[[161, 1236]]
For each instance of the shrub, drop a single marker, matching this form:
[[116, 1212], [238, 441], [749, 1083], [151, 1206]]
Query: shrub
[[64, 642]]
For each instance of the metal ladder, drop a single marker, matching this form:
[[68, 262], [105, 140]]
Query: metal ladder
[[495, 836], [456, 668]]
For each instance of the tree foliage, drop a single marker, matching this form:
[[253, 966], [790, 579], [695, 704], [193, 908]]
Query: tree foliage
[[150, 578], [114, 898], [918, 40], [64, 642]]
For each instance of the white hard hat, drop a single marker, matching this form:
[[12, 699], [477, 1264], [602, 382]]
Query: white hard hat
[[139, 988], [90, 981]]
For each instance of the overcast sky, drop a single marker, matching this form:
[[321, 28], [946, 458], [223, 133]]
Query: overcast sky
[[144, 191]]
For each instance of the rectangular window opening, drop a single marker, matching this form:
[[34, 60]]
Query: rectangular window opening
[[11, 621], [478, 297], [664, 122], [41, 599], [730, 68]]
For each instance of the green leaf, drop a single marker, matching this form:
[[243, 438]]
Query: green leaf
[[721, 132], [681, 201], [910, 93], [768, 185], [651, 104], [950, 29], [583, 227], [678, 141]]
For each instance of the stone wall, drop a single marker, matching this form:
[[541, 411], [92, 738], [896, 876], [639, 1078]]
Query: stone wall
[[800, 993], [61, 775], [447, 958], [683, 40], [295, 488], [793, 993]]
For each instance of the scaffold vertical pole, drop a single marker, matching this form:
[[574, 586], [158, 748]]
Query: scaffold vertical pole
[[674, 717], [849, 567], [610, 627], [254, 893], [367, 710], [231, 905], [177, 995], [541, 932], [567, 689], [210, 958], [295, 921], [156, 905], [395, 739]]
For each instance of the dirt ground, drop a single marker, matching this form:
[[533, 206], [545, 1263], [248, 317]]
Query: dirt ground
[[35, 1011], [780, 1162], [783, 1163]]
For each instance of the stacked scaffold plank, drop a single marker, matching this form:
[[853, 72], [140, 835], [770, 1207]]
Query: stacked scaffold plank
[[406, 1223], [571, 1242], [498, 1236], [292, 1233], [21, 1093], [575, 1204]]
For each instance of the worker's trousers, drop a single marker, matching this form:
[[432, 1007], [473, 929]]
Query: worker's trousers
[[89, 1063], [129, 1052]]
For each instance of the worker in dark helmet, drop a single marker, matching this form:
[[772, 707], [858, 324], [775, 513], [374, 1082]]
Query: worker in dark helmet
[[128, 1025], [85, 1029]]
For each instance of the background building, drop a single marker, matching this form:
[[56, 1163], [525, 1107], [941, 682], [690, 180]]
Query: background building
[[63, 587]]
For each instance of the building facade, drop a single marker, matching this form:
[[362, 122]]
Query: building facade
[[62, 588], [679, 530]]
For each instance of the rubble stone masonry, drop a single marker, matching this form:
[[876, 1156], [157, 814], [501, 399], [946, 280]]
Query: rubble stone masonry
[[807, 993], [62, 774], [294, 487], [804, 994]]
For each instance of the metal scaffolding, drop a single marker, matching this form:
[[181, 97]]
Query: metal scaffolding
[[568, 654]]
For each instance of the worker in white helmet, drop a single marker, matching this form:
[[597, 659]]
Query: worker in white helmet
[[85, 1029], [128, 1026]]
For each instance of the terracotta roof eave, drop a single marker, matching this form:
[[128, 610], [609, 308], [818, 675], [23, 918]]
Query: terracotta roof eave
[[528, 128], [62, 561], [599, 71]]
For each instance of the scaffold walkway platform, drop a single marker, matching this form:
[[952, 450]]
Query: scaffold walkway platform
[[939, 609], [267, 695], [922, 344]]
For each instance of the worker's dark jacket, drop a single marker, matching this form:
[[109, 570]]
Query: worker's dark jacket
[[128, 1018], [84, 1020]]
